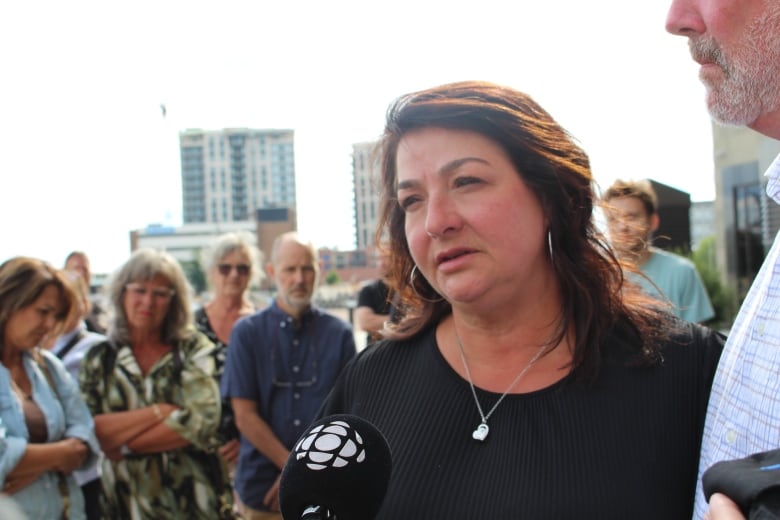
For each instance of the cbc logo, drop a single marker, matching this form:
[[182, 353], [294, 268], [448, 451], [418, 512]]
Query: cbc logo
[[332, 445]]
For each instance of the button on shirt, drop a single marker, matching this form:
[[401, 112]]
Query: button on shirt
[[287, 370], [744, 409]]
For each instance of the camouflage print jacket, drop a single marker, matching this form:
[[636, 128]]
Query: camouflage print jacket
[[182, 483]]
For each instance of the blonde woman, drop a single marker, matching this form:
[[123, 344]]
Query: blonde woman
[[231, 264], [156, 405]]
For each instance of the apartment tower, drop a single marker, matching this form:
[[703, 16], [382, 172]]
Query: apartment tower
[[366, 178], [228, 174]]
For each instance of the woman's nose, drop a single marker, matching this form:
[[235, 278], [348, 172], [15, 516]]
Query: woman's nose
[[441, 216]]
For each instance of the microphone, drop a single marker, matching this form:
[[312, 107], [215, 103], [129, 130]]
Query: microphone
[[338, 470]]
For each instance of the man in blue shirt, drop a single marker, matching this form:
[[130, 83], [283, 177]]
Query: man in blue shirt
[[281, 363]]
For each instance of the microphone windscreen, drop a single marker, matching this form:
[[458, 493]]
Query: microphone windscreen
[[341, 463]]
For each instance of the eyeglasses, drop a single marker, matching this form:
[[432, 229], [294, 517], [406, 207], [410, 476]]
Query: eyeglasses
[[241, 269], [158, 293]]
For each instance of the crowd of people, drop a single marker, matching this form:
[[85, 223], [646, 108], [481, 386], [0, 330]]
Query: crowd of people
[[151, 418], [523, 364]]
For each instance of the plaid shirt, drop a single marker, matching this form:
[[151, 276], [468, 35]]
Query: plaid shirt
[[744, 409]]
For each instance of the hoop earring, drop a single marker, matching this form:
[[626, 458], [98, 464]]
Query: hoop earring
[[549, 244], [412, 277]]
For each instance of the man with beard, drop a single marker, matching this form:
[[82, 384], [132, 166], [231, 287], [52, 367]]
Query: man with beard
[[631, 209], [281, 363], [737, 44]]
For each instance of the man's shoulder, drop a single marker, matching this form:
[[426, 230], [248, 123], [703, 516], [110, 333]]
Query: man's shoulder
[[259, 315], [668, 260], [371, 286], [329, 319]]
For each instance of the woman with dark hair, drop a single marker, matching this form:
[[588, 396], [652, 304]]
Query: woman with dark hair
[[525, 378], [152, 392], [46, 431]]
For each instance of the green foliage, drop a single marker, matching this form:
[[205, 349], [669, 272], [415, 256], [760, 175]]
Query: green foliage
[[721, 296], [332, 278], [195, 275]]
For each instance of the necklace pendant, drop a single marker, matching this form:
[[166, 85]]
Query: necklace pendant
[[481, 433]]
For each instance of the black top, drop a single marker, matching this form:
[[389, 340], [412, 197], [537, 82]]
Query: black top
[[624, 446], [376, 296], [227, 422], [203, 325]]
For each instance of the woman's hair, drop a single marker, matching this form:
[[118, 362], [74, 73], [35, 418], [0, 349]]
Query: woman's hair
[[227, 243], [23, 280], [82, 304], [143, 265], [551, 164]]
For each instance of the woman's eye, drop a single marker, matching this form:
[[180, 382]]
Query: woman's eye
[[407, 202], [465, 181]]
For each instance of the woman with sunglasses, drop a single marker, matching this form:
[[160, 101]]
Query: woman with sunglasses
[[155, 402], [231, 263]]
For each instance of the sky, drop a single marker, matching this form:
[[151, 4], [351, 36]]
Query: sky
[[86, 154]]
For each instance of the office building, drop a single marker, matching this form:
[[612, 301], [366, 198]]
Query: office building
[[271, 223], [228, 174], [746, 219], [185, 242], [366, 177]]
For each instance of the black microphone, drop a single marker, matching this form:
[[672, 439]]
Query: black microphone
[[338, 470]]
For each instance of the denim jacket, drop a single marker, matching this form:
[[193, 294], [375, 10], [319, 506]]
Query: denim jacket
[[66, 416]]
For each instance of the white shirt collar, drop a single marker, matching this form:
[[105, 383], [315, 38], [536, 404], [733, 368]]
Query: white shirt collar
[[773, 182]]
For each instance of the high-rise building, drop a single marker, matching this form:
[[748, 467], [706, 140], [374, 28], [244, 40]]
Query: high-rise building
[[366, 178], [228, 174]]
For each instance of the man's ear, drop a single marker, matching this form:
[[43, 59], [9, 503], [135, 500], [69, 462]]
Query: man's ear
[[269, 270], [655, 221]]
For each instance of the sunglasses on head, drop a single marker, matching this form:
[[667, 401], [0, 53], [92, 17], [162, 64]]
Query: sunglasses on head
[[241, 269]]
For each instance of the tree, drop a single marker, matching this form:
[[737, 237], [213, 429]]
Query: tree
[[194, 274], [332, 278], [721, 296]]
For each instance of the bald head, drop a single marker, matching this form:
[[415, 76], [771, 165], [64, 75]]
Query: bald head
[[294, 267]]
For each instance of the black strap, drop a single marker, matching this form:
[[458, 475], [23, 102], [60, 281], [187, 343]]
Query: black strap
[[72, 343]]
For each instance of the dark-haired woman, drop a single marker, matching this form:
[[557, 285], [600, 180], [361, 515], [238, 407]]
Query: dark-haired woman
[[526, 379]]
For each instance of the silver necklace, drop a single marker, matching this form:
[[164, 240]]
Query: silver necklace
[[481, 432]]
